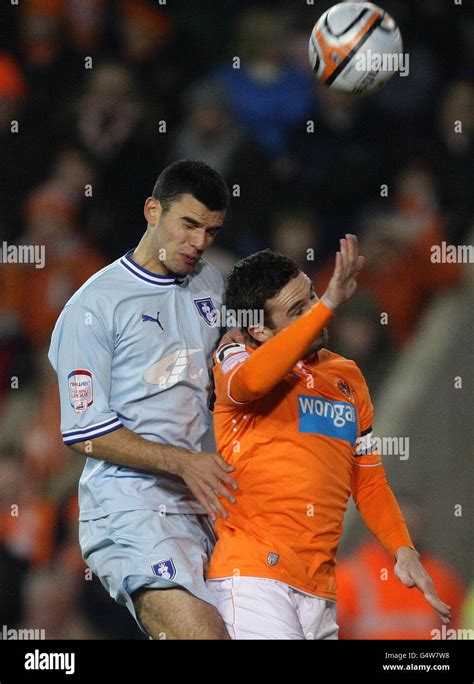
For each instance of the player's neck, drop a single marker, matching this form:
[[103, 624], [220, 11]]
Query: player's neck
[[311, 360], [143, 256]]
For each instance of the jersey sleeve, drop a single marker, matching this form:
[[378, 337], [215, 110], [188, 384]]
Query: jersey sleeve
[[371, 491], [270, 362], [81, 354], [228, 358]]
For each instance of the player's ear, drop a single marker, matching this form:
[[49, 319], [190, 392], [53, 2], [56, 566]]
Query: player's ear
[[260, 333], [152, 211]]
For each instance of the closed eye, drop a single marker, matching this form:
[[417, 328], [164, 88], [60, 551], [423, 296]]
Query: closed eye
[[190, 225]]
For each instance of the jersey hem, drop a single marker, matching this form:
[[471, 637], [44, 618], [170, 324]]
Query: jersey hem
[[99, 512]]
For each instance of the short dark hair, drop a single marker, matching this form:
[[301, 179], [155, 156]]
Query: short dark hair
[[194, 178], [257, 278]]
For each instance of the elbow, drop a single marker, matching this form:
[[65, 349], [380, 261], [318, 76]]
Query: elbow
[[251, 388], [255, 388]]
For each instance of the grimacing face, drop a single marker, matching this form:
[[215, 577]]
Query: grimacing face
[[180, 236], [294, 299]]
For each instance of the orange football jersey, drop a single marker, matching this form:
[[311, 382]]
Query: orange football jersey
[[298, 451]]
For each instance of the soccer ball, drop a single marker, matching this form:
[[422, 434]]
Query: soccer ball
[[355, 47]]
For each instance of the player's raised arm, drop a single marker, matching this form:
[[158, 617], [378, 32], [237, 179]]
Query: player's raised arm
[[269, 364], [343, 283]]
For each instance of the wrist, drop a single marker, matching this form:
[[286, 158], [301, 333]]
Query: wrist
[[405, 552], [176, 461], [328, 303]]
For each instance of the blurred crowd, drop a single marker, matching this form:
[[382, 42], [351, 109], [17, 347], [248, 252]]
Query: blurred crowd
[[96, 97]]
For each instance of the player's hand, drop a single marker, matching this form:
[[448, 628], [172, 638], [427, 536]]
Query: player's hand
[[207, 475], [411, 573], [343, 283], [234, 335]]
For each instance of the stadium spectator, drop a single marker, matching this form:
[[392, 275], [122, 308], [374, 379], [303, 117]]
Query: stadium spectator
[[163, 61], [45, 457], [27, 516], [373, 604], [50, 217], [268, 95], [51, 68], [55, 612], [85, 22], [452, 152], [13, 567], [112, 124], [400, 275], [357, 334], [16, 359], [210, 134], [299, 235], [22, 155], [334, 165]]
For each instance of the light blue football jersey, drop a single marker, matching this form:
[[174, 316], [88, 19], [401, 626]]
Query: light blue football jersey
[[132, 348]]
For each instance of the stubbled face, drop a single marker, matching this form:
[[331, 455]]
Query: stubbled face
[[180, 236], [294, 300]]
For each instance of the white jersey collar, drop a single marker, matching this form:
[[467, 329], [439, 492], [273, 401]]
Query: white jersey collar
[[147, 276]]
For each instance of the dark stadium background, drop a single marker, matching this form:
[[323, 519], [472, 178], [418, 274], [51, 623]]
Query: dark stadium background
[[391, 167]]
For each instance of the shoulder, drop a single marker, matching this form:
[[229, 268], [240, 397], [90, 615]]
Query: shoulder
[[228, 356], [229, 349], [339, 363], [348, 371], [105, 285], [98, 297]]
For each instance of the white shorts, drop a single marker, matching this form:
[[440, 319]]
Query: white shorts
[[258, 608]]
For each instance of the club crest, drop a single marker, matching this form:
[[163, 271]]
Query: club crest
[[345, 389], [164, 568], [207, 310]]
